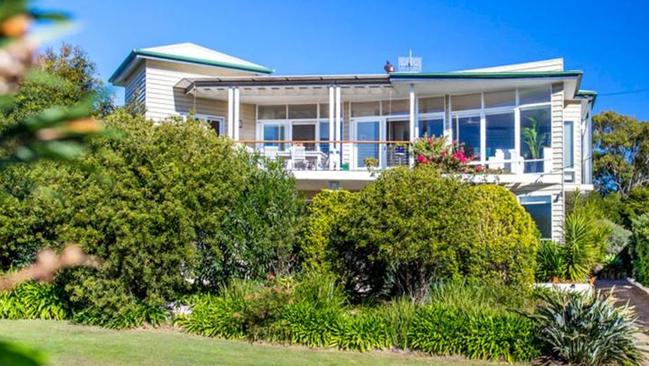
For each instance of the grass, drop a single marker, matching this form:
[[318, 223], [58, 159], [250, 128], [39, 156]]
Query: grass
[[68, 344]]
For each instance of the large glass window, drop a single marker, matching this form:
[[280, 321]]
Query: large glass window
[[302, 111], [272, 111], [569, 151], [535, 137], [540, 208], [305, 132], [431, 105], [324, 136], [534, 95], [393, 107], [367, 131], [467, 133], [466, 102], [431, 127], [363, 109], [275, 132], [500, 134], [505, 98]]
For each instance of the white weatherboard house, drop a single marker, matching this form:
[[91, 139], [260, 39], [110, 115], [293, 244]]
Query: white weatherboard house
[[529, 121]]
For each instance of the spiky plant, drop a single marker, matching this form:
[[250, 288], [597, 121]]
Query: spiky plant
[[580, 329], [585, 241]]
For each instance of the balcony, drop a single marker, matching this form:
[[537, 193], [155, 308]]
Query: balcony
[[349, 156]]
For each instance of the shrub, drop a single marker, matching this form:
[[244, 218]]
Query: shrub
[[444, 329], [410, 228], [326, 210], [551, 263], [640, 252], [166, 208], [438, 153], [585, 330], [33, 301], [506, 239], [585, 242]]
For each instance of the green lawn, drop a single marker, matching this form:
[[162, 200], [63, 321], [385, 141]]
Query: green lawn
[[68, 344]]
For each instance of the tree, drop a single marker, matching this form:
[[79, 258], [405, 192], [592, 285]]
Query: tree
[[620, 153]]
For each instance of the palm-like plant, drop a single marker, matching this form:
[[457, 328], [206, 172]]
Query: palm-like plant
[[580, 329], [534, 139], [585, 240]]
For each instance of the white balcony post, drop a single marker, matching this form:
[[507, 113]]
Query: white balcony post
[[332, 127], [338, 122], [230, 112], [413, 117], [236, 115]]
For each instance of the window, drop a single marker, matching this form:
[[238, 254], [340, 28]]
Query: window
[[392, 107], [500, 134], [500, 99], [466, 102], [302, 111], [324, 110], [467, 133], [272, 111], [534, 95], [431, 127], [275, 132], [363, 109], [324, 136], [535, 137], [305, 132], [569, 151], [540, 208], [431, 105]]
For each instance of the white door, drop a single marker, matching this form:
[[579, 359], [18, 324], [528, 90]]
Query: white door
[[369, 130]]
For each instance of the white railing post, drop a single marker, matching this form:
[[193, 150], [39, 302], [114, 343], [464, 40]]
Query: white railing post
[[413, 122], [236, 115], [332, 127], [338, 123], [547, 160], [230, 112]]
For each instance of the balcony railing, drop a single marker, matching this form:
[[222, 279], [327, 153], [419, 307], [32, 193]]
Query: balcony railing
[[363, 155]]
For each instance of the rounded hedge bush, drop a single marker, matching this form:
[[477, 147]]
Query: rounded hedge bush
[[507, 239], [412, 227]]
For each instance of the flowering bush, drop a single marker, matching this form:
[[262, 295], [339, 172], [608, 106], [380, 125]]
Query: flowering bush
[[449, 158]]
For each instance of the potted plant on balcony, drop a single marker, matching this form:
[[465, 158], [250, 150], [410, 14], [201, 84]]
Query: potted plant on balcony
[[371, 163], [535, 140]]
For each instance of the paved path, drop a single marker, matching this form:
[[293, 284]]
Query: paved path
[[623, 292]]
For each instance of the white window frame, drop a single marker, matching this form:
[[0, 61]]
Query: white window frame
[[207, 117], [548, 198]]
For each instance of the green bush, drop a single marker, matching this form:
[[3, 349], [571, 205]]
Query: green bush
[[33, 301], [579, 329], [166, 209], [586, 242], [326, 210], [412, 227], [551, 263], [506, 239], [443, 329], [310, 310], [640, 252]]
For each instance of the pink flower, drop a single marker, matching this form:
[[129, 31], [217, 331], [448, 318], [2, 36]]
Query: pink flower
[[459, 155], [421, 159]]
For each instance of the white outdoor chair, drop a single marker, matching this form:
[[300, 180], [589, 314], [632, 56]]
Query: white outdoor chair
[[518, 165], [298, 157], [497, 161], [271, 152]]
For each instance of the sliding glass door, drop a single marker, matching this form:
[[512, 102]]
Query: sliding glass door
[[367, 131]]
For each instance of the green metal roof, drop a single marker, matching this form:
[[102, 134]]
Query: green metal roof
[[192, 60], [486, 75], [588, 94]]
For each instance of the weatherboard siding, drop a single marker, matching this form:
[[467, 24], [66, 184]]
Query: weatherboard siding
[[135, 88]]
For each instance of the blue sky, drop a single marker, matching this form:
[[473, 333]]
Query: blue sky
[[608, 41]]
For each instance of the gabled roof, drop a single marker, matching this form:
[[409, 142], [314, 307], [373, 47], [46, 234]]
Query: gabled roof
[[186, 53]]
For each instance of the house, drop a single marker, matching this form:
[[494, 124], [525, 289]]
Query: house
[[530, 122]]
